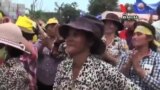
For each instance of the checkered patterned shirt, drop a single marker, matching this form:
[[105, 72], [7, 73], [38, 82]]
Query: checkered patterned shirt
[[152, 80]]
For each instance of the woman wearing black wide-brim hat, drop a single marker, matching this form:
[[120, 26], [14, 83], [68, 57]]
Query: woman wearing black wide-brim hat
[[83, 69], [115, 46]]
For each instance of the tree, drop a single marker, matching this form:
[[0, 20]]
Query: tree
[[32, 11], [98, 6], [66, 12], [39, 14]]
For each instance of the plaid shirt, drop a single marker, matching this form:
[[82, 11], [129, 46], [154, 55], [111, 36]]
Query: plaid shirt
[[151, 64]]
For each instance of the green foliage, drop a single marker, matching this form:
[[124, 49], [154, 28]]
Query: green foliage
[[66, 12], [63, 12], [39, 14], [98, 6]]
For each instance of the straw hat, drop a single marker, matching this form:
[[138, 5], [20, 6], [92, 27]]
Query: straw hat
[[11, 35]]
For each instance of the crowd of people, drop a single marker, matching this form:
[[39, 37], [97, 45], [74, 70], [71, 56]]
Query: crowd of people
[[85, 54]]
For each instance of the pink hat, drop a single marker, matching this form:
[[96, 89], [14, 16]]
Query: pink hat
[[11, 35]]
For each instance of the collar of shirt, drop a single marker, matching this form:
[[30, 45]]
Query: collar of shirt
[[12, 61], [149, 54], [86, 67], [116, 39]]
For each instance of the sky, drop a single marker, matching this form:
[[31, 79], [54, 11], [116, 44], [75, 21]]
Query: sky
[[48, 5]]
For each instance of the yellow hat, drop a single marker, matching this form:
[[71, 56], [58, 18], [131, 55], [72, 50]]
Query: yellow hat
[[26, 23], [52, 21]]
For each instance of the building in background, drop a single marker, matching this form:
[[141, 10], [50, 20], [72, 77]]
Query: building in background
[[13, 10]]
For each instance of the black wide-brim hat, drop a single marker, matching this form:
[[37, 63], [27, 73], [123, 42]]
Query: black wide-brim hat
[[114, 18], [89, 24]]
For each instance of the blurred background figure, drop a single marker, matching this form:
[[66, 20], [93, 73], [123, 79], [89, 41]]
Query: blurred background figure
[[49, 55], [28, 29], [156, 25], [1, 16], [115, 46], [129, 22], [4, 18], [13, 75]]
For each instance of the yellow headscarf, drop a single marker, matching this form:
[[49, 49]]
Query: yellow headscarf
[[146, 31], [26, 23]]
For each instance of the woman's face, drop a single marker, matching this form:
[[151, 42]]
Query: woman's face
[[140, 40], [51, 30], [110, 27], [76, 42]]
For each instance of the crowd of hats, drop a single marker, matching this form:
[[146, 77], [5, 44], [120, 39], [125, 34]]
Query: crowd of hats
[[11, 34], [87, 23]]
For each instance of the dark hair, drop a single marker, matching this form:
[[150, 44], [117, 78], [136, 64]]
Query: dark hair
[[152, 46], [27, 36], [131, 31], [135, 24], [98, 46], [13, 52], [116, 33], [152, 29], [36, 30]]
